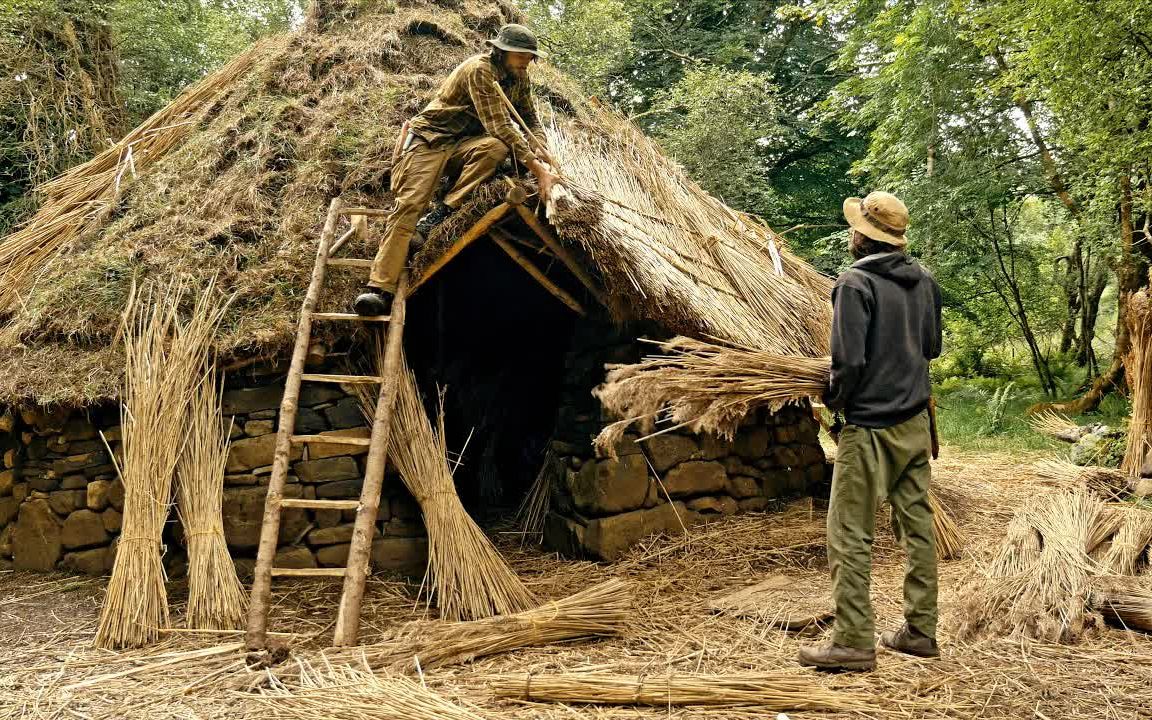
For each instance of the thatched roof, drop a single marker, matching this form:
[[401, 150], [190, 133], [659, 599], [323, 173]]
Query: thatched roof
[[232, 182]]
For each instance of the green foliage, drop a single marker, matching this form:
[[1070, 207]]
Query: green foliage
[[996, 407], [588, 39]]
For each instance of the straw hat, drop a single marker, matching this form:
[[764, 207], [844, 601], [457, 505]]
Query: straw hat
[[516, 38], [881, 216]]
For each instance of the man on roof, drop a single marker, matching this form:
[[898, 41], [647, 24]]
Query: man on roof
[[465, 132], [885, 330]]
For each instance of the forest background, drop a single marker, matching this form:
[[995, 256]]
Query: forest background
[[1017, 131]]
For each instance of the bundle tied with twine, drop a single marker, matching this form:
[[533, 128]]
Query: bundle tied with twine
[[705, 387], [165, 356], [1124, 601], [216, 599], [1138, 370], [467, 577], [1103, 482], [602, 610], [770, 692]]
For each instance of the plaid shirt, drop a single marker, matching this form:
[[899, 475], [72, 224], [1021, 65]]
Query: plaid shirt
[[467, 104]]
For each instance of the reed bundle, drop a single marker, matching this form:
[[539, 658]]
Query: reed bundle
[[1124, 601], [705, 387], [1138, 371], [1055, 425], [347, 693], [776, 693], [603, 610], [467, 577], [164, 360], [216, 599], [534, 507], [949, 540], [1128, 553], [81, 199], [1106, 483]]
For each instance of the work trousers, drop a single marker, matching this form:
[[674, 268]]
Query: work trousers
[[872, 464], [415, 180]]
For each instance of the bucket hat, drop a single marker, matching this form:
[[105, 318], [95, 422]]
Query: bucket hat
[[516, 38], [881, 216]]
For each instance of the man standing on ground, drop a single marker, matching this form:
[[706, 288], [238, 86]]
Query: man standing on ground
[[885, 329], [465, 133]]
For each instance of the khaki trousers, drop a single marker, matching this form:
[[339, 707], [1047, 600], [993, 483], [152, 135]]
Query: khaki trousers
[[872, 464], [414, 181]]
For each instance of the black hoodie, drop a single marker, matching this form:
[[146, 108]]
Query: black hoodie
[[885, 329]]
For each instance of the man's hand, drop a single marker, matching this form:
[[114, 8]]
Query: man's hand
[[545, 178], [543, 154]]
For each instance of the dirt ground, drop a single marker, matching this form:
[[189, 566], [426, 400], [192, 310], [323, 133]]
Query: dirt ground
[[48, 668]]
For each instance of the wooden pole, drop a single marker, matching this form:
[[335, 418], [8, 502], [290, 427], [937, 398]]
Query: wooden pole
[[561, 252], [359, 553], [504, 241], [489, 219], [536, 143], [270, 529]]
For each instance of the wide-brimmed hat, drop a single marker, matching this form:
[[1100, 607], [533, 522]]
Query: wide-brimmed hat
[[516, 38], [881, 216]]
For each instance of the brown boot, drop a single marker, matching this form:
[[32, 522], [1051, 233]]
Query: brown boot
[[907, 640], [831, 656]]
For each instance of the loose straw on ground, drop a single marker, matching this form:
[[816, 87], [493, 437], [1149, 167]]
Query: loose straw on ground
[[216, 599], [164, 360], [770, 692], [603, 610], [467, 576]]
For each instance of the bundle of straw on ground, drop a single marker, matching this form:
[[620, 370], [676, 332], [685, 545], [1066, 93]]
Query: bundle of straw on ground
[[1106, 483], [216, 599], [1055, 425], [467, 577], [1138, 371], [949, 540], [770, 692], [1124, 601], [165, 357], [600, 611], [705, 387], [346, 693], [1129, 552]]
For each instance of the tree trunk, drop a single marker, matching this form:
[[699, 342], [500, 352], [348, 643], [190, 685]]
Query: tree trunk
[[1096, 280]]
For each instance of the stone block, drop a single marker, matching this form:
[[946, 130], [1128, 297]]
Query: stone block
[[7, 480], [652, 499], [74, 482], [92, 562], [775, 483], [317, 451], [733, 465], [716, 505], [83, 528], [310, 422], [333, 555], [713, 447], [64, 502], [563, 535], [400, 554], [36, 543], [786, 434], [341, 489], [313, 394], [79, 428], [752, 442], [112, 519], [264, 415], [295, 556], [7, 421], [250, 453], [695, 477], [326, 518], [742, 486], [97, 494], [6, 541], [44, 482], [10, 458], [626, 445], [609, 486], [756, 504], [610, 537], [786, 457], [249, 400], [668, 450], [85, 446], [404, 528], [331, 535], [810, 454], [346, 413], [327, 470], [241, 479], [9, 506], [96, 471], [20, 491], [79, 463], [116, 494], [256, 428], [244, 513]]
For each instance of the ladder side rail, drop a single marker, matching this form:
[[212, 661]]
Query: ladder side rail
[[348, 617], [270, 529]]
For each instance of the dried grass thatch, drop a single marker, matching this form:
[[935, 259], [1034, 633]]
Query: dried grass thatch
[[1106, 483], [949, 540], [1128, 553], [165, 356], [1055, 425], [705, 387], [1138, 371], [1124, 601], [533, 508]]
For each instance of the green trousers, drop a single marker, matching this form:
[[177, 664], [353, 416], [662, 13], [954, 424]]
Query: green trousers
[[873, 464]]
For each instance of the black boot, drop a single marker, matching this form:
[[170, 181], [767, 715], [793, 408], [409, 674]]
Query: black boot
[[373, 301], [429, 222]]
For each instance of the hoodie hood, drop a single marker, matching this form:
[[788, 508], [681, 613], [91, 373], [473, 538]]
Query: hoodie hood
[[896, 266]]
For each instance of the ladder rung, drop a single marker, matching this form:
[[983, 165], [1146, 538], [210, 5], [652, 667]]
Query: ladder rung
[[332, 440], [308, 572], [320, 504], [350, 262], [351, 316], [349, 379]]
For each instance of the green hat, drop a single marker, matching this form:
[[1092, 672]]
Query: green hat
[[516, 38]]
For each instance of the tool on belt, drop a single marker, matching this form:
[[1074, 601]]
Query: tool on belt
[[403, 142], [935, 432]]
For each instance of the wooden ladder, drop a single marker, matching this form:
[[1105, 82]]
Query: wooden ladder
[[355, 573]]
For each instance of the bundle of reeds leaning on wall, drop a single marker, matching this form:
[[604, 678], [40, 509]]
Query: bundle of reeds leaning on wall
[[216, 599], [164, 360], [1138, 371], [534, 507], [705, 387], [467, 576]]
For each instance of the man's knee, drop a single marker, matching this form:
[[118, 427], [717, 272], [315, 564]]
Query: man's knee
[[491, 150]]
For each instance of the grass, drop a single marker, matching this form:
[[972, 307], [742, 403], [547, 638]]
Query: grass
[[965, 411]]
